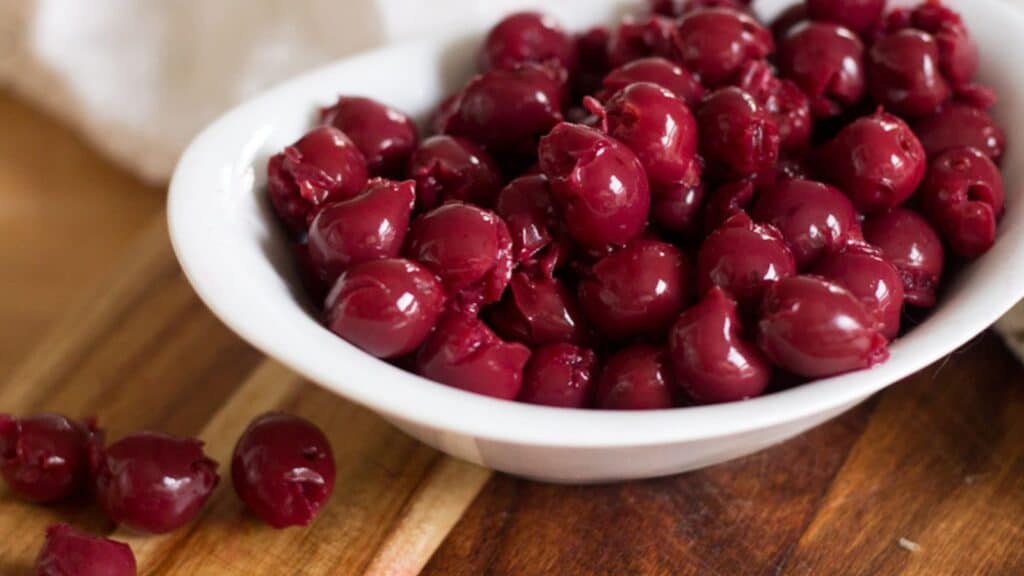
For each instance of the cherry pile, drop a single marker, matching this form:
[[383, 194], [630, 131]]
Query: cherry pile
[[689, 207]]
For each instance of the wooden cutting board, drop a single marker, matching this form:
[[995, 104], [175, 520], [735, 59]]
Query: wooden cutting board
[[926, 478]]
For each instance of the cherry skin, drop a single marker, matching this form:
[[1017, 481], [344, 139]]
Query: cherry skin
[[385, 136], [45, 458], [385, 307], [642, 37], [787, 19], [598, 183], [737, 136], [910, 244], [714, 43], [527, 207], [561, 375], [283, 469], [876, 160], [860, 16], [593, 62], [636, 378], [675, 207], [815, 328], [464, 353], [959, 125], [70, 552], [827, 62], [861, 269], [783, 99], [904, 74], [655, 70], [368, 227], [709, 357], [963, 195], [726, 201], [538, 309], [743, 258], [322, 166], [958, 54], [447, 168], [153, 482], [527, 37], [813, 217]]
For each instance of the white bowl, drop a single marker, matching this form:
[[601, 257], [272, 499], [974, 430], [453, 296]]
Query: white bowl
[[238, 261]]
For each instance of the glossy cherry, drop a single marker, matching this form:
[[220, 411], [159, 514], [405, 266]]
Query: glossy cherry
[[655, 70], [385, 136], [813, 217], [737, 136], [527, 37], [527, 207], [910, 244], [322, 166], [561, 375], [861, 269], [368, 227], [675, 207], [709, 357], [70, 552], [827, 62], [743, 258], [958, 54], [860, 16], [816, 328], [783, 99], [464, 353], [283, 469], [904, 74], [959, 125], [385, 307], [714, 43], [636, 378], [787, 19], [447, 168], [44, 458], [598, 183], [640, 37], [876, 160], [538, 309], [153, 482], [963, 196]]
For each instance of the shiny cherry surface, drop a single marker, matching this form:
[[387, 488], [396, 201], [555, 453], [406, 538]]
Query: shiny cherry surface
[[816, 328], [283, 469], [655, 70], [322, 166], [70, 552], [813, 217], [385, 136], [860, 16], [385, 307], [959, 125], [528, 209], [963, 196], [44, 458], [714, 43], [904, 74], [527, 37], [827, 62], [447, 168], [737, 136], [640, 37], [709, 357], [743, 258], [783, 99], [636, 378], [538, 309], [958, 54], [153, 482], [368, 227], [675, 207], [598, 183], [464, 353], [910, 244], [876, 160], [861, 269], [561, 375]]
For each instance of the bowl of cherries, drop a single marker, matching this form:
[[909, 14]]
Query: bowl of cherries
[[597, 247]]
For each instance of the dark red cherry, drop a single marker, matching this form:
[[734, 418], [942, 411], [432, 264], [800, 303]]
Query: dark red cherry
[[322, 166], [727, 200], [709, 357], [876, 160], [636, 290], [787, 19], [69, 552], [910, 244], [153, 482], [737, 136], [640, 37], [904, 74], [963, 195], [861, 269], [783, 99], [469, 248], [527, 207], [675, 207], [827, 62], [959, 125], [958, 54], [743, 258], [815, 328], [447, 168], [527, 37], [593, 62], [44, 458], [688, 6], [283, 469], [385, 136], [636, 378], [538, 309], [656, 70], [813, 217], [368, 227], [561, 375], [714, 43], [860, 16], [385, 307], [464, 353], [598, 183]]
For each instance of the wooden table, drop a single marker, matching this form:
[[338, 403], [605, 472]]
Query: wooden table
[[925, 478]]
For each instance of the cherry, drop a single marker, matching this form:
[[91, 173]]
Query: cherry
[[910, 244], [675, 207], [385, 136], [561, 375], [904, 74], [743, 258], [727, 200], [861, 269], [536, 310], [44, 458], [528, 209], [636, 378], [959, 125], [70, 552], [963, 195], [656, 70], [447, 168], [958, 54], [783, 99], [527, 37], [860, 16], [737, 136], [827, 62], [714, 43], [637, 38]]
